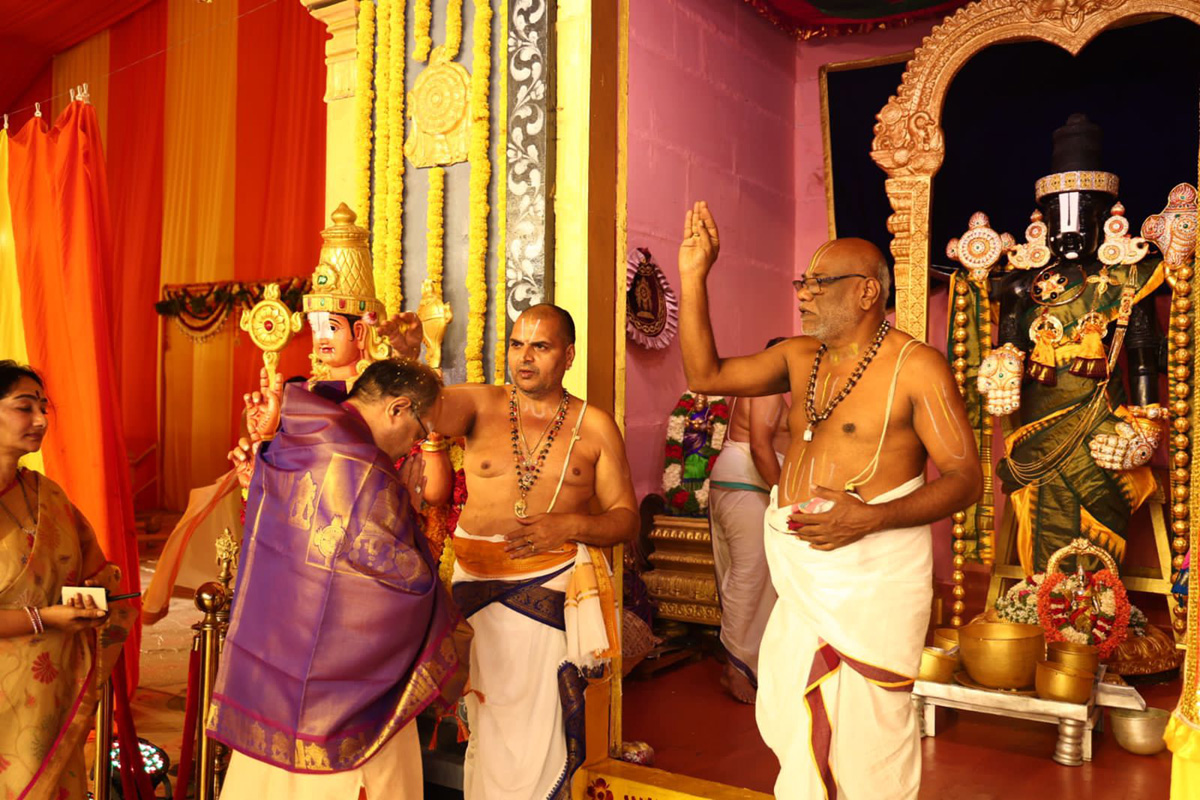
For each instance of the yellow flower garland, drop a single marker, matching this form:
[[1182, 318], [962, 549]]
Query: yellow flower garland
[[502, 215], [393, 291], [383, 95], [364, 66], [436, 230], [481, 176], [422, 23], [453, 28]]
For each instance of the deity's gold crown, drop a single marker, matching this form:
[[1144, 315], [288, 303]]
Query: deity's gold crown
[[343, 281], [1080, 180]]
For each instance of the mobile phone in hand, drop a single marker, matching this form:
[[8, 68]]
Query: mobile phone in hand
[[98, 594]]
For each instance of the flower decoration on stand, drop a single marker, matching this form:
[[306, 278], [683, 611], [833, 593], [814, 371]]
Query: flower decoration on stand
[[1086, 607], [1020, 604], [695, 435]]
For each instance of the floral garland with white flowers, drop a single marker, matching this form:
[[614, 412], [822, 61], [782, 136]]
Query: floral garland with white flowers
[[1021, 603], [682, 500]]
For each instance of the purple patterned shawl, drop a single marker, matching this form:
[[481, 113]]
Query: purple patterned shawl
[[340, 633]]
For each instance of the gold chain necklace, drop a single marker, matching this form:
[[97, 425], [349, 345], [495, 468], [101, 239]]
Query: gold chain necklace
[[27, 530], [529, 469]]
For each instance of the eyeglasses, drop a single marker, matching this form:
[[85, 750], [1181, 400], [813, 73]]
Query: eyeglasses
[[815, 284], [421, 422]]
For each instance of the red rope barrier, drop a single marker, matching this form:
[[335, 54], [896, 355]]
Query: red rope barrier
[[187, 755]]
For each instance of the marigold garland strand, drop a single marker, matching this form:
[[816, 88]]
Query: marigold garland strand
[[364, 67], [481, 176], [436, 230], [502, 210], [422, 26], [454, 28], [392, 292], [383, 96]]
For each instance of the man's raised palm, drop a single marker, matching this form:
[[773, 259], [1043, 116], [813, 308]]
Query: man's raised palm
[[701, 243]]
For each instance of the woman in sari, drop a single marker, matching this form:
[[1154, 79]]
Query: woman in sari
[[54, 657]]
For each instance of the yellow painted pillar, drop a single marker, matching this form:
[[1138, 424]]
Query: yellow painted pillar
[[573, 74], [341, 19], [589, 235], [589, 204]]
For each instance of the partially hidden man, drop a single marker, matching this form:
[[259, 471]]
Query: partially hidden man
[[847, 530], [341, 632], [548, 486]]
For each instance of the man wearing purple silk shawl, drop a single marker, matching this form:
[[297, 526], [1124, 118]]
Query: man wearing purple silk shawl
[[340, 631]]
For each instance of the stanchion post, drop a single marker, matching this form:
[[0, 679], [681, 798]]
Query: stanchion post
[[210, 598]]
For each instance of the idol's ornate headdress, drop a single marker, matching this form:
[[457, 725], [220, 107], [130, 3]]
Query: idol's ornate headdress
[[343, 282], [1080, 180]]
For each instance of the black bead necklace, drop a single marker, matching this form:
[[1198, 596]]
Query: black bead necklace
[[810, 401]]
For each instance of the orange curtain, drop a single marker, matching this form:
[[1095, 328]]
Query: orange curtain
[[59, 203], [199, 201], [86, 62], [135, 170], [280, 153]]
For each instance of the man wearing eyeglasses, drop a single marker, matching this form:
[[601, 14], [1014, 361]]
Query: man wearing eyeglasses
[[847, 529], [340, 631]]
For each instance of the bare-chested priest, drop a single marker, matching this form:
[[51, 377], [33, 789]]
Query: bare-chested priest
[[871, 405], [548, 484]]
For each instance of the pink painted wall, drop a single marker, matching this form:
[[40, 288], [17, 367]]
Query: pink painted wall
[[724, 108], [811, 215], [711, 117]]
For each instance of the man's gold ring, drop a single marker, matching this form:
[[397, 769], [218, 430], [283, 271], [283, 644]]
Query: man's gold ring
[[532, 547]]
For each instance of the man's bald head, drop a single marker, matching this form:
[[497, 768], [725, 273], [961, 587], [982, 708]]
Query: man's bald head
[[556, 315], [844, 256]]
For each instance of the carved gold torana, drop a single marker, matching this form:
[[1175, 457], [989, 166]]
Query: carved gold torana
[[909, 146], [683, 581]]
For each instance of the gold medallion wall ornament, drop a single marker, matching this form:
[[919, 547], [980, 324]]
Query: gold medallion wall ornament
[[271, 325], [438, 105], [651, 310]]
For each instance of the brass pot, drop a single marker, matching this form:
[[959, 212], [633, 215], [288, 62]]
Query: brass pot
[[1001, 655], [1063, 683], [937, 666], [1139, 732], [1079, 656], [945, 638]]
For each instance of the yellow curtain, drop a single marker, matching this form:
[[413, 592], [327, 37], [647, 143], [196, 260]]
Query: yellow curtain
[[86, 62], [12, 328], [199, 143]]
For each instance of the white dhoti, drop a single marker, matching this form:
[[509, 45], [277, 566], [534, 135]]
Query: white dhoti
[[525, 707], [737, 502], [394, 773], [838, 658]]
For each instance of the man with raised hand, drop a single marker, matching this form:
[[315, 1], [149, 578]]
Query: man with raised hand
[[847, 530]]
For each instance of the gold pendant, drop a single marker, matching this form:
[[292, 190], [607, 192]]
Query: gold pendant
[[519, 508]]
